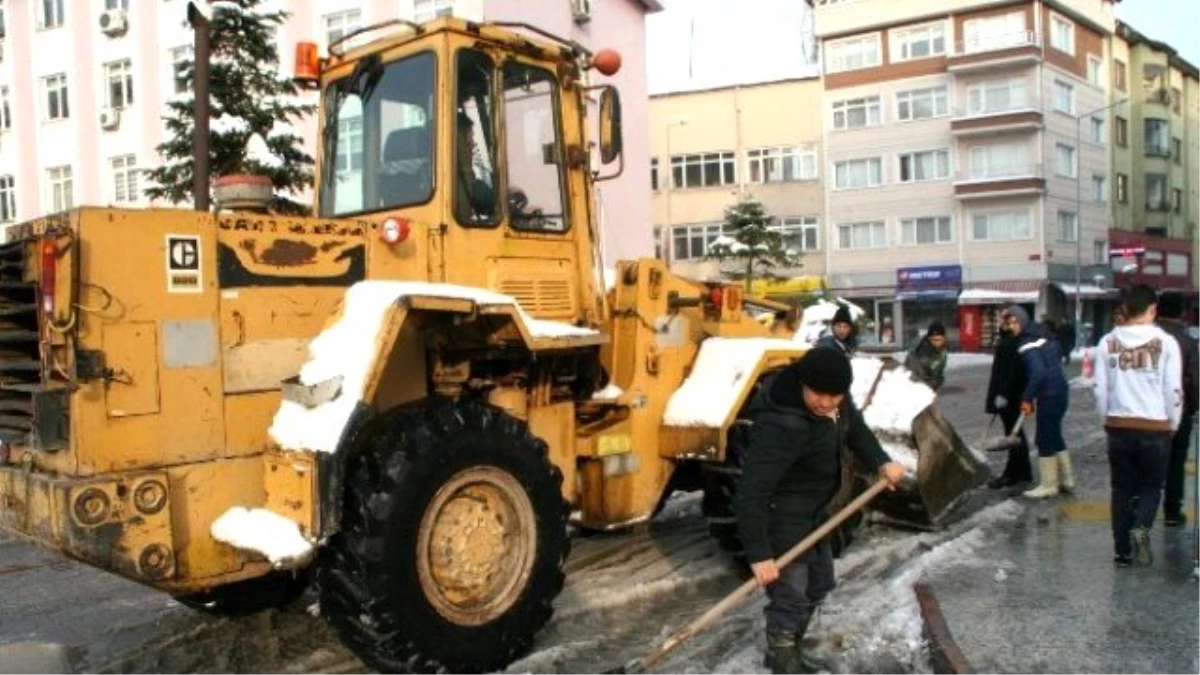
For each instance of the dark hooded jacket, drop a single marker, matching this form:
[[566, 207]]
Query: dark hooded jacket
[[794, 465], [1189, 351], [1008, 374], [927, 364], [830, 340], [1042, 358]]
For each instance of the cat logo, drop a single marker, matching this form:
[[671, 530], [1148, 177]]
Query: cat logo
[[183, 264]]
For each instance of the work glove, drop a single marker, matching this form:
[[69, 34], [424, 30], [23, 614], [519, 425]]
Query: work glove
[[1000, 402]]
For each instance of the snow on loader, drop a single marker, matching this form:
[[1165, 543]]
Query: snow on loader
[[405, 396]]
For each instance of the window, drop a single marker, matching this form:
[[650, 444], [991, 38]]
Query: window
[[8, 199], [1068, 226], [1156, 192], [929, 165], [475, 151], [1176, 100], [1095, 70], [1100, 252], [424, 10], [856, 113], [1122, 188], [918, 42], [1177, 264], [654, 174], [382, 142], [1062, 34], [1000, 226], [852, 54], [118, 75], [1119, 75], [800, 234], [340, 24], [1099, 189], [920, 104], [782, 165], [995, 32], [691, 242], [181, 68], [858, 173], [1098, 133], [50, 13], [658, 242], [5, 110], [930, 230], [124, 178], [1176, 146], [1157, 135], [55, 87], [703, 170], [1064, 97], [1064, 160], [116, 4], [995, 96], [1176, 200], [862, 235], [1000, 160], [60, 196], [534, 149], [1121, 131]]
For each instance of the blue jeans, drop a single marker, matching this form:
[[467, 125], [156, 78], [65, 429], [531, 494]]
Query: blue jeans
[[1050, 413], [801, 586], [1137, 461]]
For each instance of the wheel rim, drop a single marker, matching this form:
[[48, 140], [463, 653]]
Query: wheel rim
[[476, 545]]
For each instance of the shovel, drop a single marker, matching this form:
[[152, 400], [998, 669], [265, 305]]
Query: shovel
[[743, 591], [1011, 440]]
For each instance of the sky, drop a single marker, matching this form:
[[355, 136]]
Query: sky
[[698, 44]]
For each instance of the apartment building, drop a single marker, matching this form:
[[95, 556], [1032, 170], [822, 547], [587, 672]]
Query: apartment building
[[1155, 158], [83, 86], [967, 149], [710, 148]]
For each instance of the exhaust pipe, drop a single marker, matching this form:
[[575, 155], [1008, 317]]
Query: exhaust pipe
[[198, 18]]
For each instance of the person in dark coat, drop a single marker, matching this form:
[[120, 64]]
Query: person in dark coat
[[805, 442], [927, 361], [1045, 395], [1170, 313], [1004, 399], [843, 334]]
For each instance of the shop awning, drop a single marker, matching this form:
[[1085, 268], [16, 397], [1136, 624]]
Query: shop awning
[[1086, 290], [1022, 291]]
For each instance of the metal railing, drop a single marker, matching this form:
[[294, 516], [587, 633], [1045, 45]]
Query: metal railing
[[991, 43]]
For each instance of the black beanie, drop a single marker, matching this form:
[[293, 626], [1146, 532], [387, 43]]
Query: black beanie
[[842, 315], [936, 328], [825, 370]]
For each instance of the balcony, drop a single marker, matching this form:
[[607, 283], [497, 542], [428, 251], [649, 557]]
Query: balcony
[[988, 52], [1000, 181], [1014, 115]]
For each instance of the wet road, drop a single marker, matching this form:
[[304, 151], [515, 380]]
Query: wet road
[[1007, 576]]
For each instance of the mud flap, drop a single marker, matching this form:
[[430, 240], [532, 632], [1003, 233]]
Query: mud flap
[[946, 471]]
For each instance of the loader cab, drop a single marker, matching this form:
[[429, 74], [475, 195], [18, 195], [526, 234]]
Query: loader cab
[[469, 141]]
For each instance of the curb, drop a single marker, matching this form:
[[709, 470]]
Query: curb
[[944, 653]]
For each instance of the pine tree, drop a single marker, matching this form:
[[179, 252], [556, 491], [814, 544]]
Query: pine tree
[[249, 97], [753, 244]]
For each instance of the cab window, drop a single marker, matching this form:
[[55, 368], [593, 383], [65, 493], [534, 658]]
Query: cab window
[[475, 141], [533, 150]]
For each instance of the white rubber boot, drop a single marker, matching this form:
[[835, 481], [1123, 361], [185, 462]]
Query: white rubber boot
[[1048, 468], [1066, 478]]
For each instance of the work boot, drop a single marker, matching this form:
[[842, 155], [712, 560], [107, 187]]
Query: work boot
[[783, 654], [1066, 477], [808, 662], [1140, 539], [1048, 467]]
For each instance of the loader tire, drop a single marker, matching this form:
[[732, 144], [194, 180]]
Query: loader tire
[[274, 590], [453, 540], [720, 488]]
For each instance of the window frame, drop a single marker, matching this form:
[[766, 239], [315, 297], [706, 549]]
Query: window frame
[[1057, 21], [1121, 188], [1120, 131], [867, 160], [991, 213], [8, 198], [796, 154], [989, 171], [1068, 230], [124, 170], [1164, 181], [60, 186], [118, 74], [1096, 64], [1163, 128], [830, 58], [705, 233], [62, 95], [915, 222], [909, 97], [60, 11], [180, 82], [726, 161], [845, 107], [437, 8], [1099, 188], [1072, 158], [5, 108], [654, 184], [1099, 129], [1060, 85], [804, 225], [875, 226], [984, 42], [1120, 75], [912, 156], [897, 41], [341, 15], [1010, 84]]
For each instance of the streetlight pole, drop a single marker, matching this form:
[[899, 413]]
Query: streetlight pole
[[668, 245], [1079, 216]]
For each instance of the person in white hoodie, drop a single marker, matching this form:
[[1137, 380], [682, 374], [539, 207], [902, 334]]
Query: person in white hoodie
[[1139, 393]]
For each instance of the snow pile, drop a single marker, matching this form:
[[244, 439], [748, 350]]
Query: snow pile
[[347, 349], [708, 396], [258, 152], [957, 360], [281, 129], [228, 124], [817, 317], [263, 531], [897, 400]]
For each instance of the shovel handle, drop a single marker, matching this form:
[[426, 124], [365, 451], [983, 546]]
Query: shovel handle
[[751, 585], [1017, 426]]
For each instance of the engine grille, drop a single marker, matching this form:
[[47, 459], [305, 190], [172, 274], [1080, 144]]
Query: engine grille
[[20, 360]]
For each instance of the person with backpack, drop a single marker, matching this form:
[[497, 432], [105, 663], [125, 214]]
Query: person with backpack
[[1170, 319]]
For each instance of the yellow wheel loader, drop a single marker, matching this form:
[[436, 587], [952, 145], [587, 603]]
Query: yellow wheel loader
[[406, 396]]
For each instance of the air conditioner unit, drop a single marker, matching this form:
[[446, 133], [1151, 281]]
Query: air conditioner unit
[[581, 10], [113, 22], [110, 118]]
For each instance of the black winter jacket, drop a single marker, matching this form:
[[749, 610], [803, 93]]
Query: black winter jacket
[[1008, 374], [1191, 363], [927, 364], [793, 468]]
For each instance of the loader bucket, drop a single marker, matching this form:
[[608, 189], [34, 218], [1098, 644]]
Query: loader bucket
[[946, 471]]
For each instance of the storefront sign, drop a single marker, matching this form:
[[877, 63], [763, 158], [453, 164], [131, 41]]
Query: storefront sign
[[934, 281], [1126, 251]]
